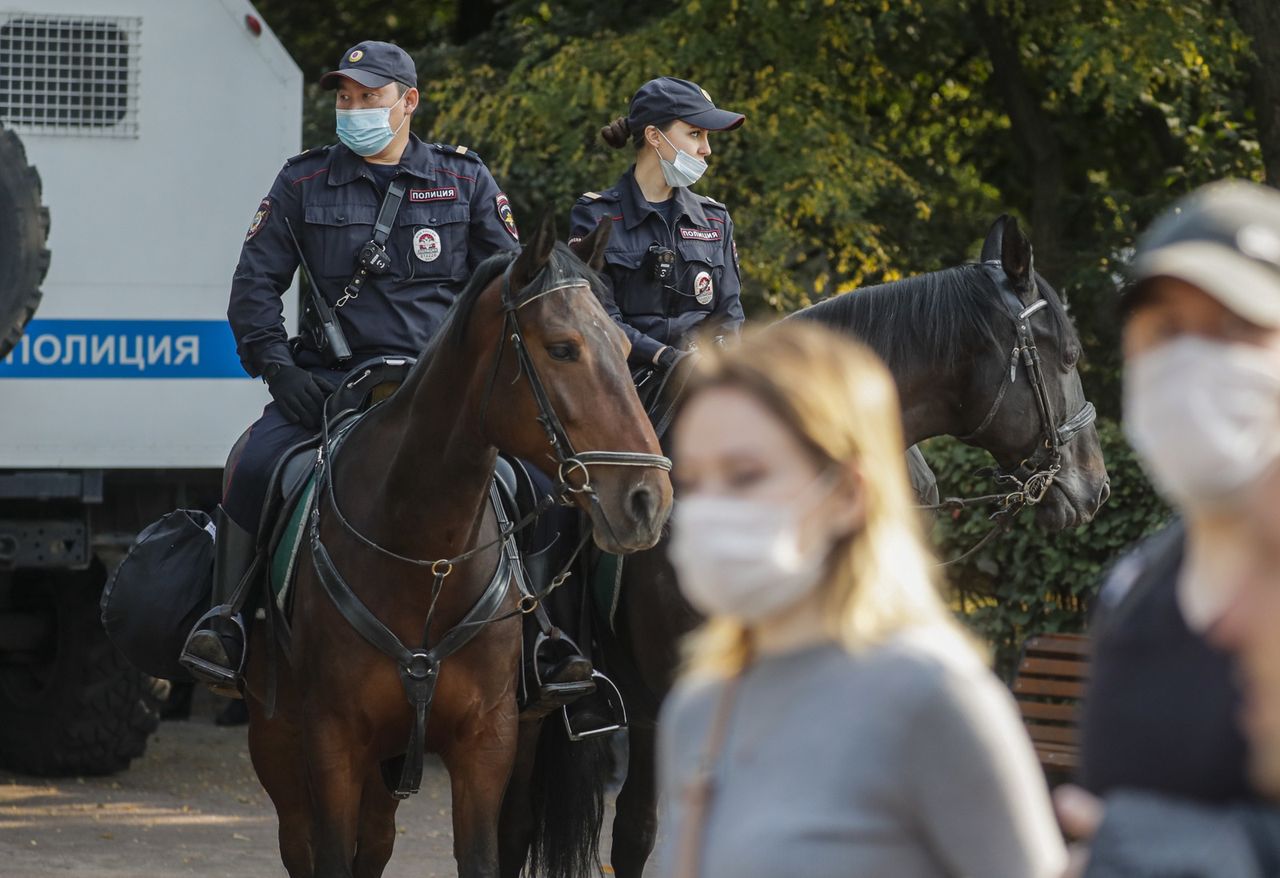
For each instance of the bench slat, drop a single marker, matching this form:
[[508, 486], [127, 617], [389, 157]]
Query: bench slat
[[1041, 734], [1056, 688], [1064, 713], [1077, 670], [1069, 644]]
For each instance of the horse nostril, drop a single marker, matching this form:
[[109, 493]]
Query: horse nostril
[[642, 502], [1105, 493]]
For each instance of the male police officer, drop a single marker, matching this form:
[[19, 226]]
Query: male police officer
[[392, 228]]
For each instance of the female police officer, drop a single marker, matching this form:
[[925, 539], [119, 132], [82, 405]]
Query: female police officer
[[671, 262]]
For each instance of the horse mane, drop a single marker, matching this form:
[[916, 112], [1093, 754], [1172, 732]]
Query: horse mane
[[944, 317]]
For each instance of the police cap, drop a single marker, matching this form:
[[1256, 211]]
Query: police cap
[[374, 64], [661, 100]]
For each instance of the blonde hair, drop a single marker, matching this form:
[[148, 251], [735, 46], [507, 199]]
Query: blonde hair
[[840, 401]]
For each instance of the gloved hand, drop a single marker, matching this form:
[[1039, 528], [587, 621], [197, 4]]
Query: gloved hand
[[299, 394], [669, 358]]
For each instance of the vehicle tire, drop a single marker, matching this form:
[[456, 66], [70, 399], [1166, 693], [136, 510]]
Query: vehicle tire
[[24, 228], [81, 708]]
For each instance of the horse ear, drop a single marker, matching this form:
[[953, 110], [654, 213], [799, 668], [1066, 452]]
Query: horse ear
[[534, 255], [590, 249], [994, 243], [1015, 256]]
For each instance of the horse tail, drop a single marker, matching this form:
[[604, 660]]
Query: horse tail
[[568, 802]]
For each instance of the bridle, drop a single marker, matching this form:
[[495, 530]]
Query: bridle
[[567, 459], [1029, 482]]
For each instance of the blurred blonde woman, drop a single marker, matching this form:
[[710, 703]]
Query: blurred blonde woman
[[833, 719]]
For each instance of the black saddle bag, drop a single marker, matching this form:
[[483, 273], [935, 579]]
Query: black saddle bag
[[159, 591]]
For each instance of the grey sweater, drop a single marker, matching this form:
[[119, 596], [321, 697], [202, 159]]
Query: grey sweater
[[906, 760]]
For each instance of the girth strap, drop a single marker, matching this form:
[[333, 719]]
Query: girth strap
[[419, 668]]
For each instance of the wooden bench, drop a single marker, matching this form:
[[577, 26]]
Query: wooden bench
[[1049, 685]]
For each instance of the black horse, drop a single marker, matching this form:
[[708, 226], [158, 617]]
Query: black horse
[[967, 363]]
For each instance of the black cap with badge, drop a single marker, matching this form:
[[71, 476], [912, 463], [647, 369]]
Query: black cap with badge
[[661, 100], [374, 64]]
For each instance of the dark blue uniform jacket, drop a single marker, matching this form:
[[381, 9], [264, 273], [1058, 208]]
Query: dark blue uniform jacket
[[452, 218], [703, 293]]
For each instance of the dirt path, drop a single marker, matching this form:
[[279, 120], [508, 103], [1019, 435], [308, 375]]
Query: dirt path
[[190, 806]]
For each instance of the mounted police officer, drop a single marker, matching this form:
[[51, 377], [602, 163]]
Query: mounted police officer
[[671, 262], [391, 228]]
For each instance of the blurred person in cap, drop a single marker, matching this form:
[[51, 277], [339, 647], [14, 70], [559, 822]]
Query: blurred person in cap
[[445, 216], [1165, 761], [833, 718], [671, 264]]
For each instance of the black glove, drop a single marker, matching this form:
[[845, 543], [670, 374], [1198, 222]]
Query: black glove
[[669, 358], [299, 394]]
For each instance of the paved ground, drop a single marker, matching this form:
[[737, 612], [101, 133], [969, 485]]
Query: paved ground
[[190, 806]]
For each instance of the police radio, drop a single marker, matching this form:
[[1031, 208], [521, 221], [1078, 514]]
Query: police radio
[[319, 326]]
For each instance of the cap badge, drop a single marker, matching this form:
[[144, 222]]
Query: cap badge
[[703, 289], [426, 245], [705, 95], [356, 55]]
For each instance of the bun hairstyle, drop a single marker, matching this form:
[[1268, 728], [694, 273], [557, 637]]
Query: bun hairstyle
[[616, 133]]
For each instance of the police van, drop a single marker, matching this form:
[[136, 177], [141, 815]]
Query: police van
[[136, 141]]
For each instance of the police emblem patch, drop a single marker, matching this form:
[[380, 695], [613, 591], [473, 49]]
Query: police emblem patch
[[259, 218], [505, 214], [703, 288], [355, 55], [426, 245]]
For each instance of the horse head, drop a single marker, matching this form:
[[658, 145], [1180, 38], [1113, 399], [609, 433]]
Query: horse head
[[1035, 419], [560, 394]]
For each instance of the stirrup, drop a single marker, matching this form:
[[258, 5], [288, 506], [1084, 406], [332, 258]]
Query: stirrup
[[223, 681], [607, 696]]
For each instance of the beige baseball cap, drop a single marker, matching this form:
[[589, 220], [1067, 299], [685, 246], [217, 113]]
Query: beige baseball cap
[[1225, 239]]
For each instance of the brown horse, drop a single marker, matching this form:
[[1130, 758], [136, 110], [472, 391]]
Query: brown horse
[[529, 363], [947, 338]]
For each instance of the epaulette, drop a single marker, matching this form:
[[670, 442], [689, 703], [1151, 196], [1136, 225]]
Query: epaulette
[[707, 199], [450, 149], [607, 195], [313, 152]]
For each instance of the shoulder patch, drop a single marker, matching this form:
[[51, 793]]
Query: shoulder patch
[[313, 152]]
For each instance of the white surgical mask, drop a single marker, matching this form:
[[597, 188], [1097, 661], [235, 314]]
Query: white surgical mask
[[1204, 416], [743, 558], [367, 132], [684, 171]]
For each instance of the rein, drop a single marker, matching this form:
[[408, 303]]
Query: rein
[[1034, 475]]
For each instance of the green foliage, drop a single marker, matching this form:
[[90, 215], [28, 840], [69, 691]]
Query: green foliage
[[1026, 581]]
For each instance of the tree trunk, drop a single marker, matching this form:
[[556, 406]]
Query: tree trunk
[[1032, 128], [1260, 20]]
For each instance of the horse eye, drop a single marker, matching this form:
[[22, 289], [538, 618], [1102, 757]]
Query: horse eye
[[1072, 358], [564, 352]]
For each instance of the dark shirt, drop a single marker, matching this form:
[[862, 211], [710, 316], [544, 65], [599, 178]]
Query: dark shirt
[[450, 221], [1161, 710], [703, 293]]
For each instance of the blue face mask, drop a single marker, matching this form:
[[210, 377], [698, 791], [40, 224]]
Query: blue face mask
[[367, 132]]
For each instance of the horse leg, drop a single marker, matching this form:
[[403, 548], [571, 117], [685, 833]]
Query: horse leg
[[480, 758], [277, 758], [377, 833], [337, 778], [516, 825], [636, 825]]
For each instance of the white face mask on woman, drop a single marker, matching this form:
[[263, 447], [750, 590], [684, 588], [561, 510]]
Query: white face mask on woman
[[1204, 416], [744, 558], [685, 170]]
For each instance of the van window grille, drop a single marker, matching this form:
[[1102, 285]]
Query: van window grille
[[69, 74]]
